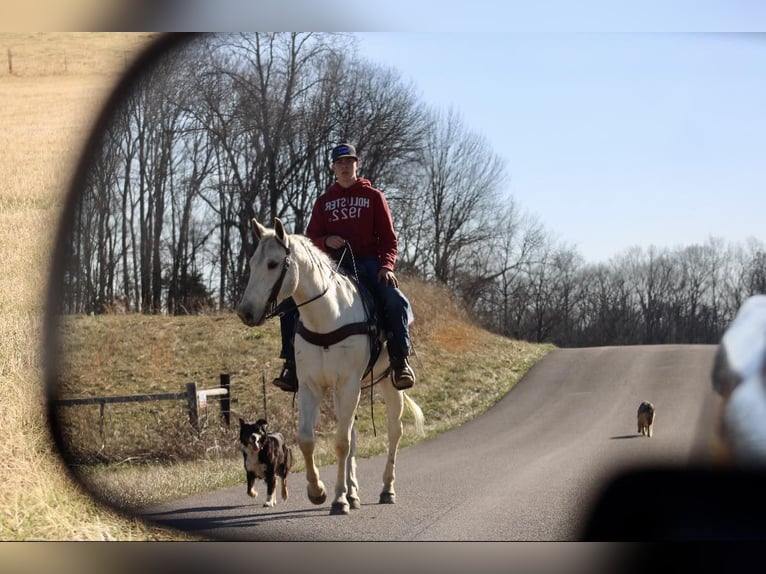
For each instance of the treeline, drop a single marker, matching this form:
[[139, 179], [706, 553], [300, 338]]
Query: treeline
[[234, 126], [645, 296]]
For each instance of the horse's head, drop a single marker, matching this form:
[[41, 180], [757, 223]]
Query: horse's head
[[272, 277]]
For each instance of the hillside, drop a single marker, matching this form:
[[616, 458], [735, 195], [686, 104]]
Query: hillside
[[461, 371]]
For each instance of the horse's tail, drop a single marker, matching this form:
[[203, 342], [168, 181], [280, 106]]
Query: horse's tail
[[417, 412]]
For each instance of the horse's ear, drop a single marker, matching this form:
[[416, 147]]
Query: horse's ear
[[258, 229], [279, 227]]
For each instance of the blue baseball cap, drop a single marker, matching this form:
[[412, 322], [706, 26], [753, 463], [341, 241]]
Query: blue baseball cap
[[343, 150]]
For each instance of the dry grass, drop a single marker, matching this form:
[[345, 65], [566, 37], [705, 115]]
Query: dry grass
[[73, 54], [49, 101], [462, 370], [45, 113]]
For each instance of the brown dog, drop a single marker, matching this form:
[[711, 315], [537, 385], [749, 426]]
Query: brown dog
[[645, 418]]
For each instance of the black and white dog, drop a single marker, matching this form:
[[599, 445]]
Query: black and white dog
[[266, 457]]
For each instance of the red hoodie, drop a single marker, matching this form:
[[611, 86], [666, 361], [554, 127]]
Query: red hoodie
[[360, 215]]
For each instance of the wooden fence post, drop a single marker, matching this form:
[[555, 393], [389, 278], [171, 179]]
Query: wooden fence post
[[226, 399], [101, 424], [191, 397]]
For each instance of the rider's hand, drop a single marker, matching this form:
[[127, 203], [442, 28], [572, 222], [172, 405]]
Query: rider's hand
[[334, 241], [387, 277]]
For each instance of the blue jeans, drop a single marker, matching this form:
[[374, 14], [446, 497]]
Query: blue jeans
[[392, 305]]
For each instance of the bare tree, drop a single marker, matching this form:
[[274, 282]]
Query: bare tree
[[272, 74], [374, 109], [650, 276], [689, 302], [756, 276], [607, 313], [497, 288], [93, 244], [568, 293], [461, 178], [381, 114]]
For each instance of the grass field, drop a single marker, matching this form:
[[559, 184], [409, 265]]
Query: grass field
[[50, 95], [47, 109]]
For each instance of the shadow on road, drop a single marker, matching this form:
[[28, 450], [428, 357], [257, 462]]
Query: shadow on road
[[206, 519]]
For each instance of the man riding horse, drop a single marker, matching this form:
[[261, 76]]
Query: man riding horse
[[352, 214]]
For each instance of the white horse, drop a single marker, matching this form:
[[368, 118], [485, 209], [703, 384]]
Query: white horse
[[283, 266]]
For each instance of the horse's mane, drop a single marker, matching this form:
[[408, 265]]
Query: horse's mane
[[345, 286], [311, 248]]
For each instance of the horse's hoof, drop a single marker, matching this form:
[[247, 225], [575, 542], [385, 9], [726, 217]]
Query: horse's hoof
[[387, 498], [354, 503], [338, 508], [319, 498]]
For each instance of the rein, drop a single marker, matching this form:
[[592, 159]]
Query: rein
[[371, 328]]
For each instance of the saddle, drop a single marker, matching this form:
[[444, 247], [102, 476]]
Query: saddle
[[373, 326]]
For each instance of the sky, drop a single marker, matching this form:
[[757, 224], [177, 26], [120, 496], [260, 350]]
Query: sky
[[627, 132], [621, 123]]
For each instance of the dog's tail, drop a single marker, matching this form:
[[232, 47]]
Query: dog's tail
[[417, 412]]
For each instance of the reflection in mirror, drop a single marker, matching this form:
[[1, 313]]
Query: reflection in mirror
[[151, 368]]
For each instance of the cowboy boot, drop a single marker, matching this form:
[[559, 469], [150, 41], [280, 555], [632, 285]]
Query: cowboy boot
[[287, 379], [403, 377]]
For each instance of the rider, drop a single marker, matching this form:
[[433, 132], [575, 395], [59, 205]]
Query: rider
[[353, 213]]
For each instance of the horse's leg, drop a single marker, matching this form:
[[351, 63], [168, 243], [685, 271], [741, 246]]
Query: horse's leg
[[394, 408], [353, 485], [346, 401], [308, 413]]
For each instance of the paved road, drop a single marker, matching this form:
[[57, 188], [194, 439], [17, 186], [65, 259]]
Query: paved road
[[526, 470]]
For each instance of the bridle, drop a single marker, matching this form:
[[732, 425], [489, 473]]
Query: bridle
[[271, 303]]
